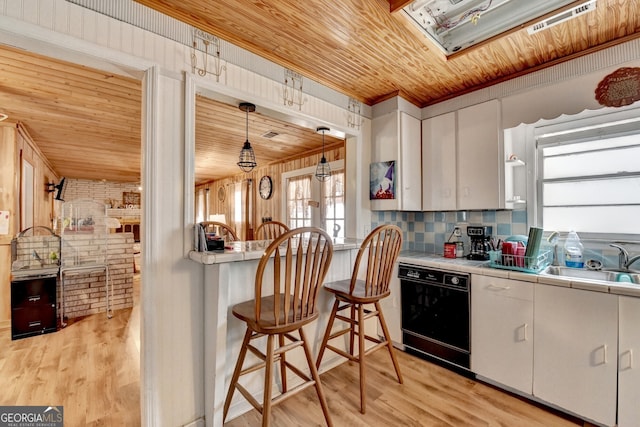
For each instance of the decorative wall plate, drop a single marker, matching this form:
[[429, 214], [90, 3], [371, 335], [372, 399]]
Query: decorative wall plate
[[620, 88], [221, 194]]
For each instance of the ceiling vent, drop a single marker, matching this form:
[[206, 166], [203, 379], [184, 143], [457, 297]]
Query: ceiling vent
[[563, 17], [270, 134]]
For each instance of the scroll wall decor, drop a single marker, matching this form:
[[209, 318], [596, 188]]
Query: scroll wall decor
[[620, 88], [292, 93], [209, 47]]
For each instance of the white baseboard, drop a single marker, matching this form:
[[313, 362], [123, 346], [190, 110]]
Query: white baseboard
[[197, 423]]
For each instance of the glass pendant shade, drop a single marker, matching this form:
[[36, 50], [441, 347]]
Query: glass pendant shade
[[247, 159], [323, 170]]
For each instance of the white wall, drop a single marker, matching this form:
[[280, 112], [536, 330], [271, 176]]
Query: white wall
[[566, 88], [172, 330]]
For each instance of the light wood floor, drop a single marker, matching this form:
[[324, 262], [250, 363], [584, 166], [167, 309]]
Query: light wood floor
[[92, 368], [430, 396]]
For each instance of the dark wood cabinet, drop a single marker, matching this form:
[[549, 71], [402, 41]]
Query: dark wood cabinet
[[33, 307]]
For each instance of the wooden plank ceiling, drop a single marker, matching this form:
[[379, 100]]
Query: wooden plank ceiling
[[361, 49], [87, 122]]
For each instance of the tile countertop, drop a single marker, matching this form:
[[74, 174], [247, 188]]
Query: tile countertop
[[243, 251], [482, 268]]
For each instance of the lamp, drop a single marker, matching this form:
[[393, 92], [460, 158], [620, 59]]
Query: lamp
[[218, 218], [247, 158], [323, 171]]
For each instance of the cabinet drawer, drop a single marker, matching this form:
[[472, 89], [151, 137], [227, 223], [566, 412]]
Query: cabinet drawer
[[34, 291], [34, 320], [502, 287]]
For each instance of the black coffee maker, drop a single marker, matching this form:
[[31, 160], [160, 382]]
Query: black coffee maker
[[480, 236]]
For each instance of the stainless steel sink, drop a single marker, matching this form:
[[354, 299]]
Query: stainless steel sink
[[602, 275]]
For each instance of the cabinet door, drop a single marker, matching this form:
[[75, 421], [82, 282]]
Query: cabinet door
[[502, 331], [396, 136], [628, 362], [391, 309], [410, 168], [439, 163], [384, 148], [576, 340], [480, 165]]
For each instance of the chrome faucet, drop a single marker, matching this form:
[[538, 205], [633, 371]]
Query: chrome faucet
[[624, 262], [631, 261], [623, 256]]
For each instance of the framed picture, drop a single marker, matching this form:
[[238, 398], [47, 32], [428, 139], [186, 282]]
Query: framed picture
[[131, 199], [382, 183]]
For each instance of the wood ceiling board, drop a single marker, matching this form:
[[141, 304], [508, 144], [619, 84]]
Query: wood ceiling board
[[356, 47], [361, 49], [221, 131]]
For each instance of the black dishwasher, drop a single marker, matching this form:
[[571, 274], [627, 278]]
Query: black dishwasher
[[436, 313]]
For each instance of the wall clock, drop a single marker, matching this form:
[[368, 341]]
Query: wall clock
[[266, 187]]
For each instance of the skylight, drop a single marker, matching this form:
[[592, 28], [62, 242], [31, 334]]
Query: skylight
[[454, 25]]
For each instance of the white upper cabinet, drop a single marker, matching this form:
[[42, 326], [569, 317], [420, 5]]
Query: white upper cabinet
[[396, 137], [480, 163], [462, 159], [439, 163]]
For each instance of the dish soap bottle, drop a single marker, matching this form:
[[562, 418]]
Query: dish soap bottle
[[573, 251]]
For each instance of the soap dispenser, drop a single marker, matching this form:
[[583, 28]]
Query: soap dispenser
[[573, 251]]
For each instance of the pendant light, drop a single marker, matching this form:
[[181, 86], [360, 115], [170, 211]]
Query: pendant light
[[247, 157], [323, 171]]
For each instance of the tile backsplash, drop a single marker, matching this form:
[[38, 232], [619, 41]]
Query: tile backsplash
[[428, 231]]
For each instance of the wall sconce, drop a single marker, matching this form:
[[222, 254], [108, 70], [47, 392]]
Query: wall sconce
[[247, 157], [3, 117], [60, 187], [292, 93], [323, 171], [354, 119], [209, 41]]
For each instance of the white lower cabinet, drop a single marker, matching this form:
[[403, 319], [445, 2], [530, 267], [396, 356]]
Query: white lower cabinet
[[502, 331], [391, 309], [628, 362], [575, 351]]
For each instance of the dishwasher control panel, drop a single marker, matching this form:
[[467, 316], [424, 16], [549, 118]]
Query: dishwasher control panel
[[433, 276]]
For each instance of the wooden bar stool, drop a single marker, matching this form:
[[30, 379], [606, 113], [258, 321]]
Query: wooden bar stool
[[270, 230], [367, 286], [298, 262]]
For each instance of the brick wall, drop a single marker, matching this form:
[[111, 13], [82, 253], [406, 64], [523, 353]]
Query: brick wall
[[85, 292], [102, 191]]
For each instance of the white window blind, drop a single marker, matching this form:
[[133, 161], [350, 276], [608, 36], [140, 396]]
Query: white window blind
[[590, 181]]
